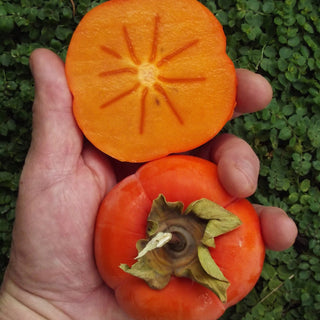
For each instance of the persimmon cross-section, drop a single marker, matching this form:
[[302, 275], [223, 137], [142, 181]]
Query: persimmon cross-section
[[148, 73], [150, 77]]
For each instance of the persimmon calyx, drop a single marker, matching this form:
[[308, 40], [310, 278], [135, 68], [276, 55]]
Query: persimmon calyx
[[177, 244]]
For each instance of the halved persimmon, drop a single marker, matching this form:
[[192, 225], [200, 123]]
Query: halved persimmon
[[150, 77]]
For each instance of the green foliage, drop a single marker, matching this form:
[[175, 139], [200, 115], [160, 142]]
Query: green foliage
[[280, 40], [276, 38]]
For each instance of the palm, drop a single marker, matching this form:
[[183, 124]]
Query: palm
[[64, 227], [62, 185]]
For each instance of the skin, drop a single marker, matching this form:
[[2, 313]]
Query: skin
[[52, 273]]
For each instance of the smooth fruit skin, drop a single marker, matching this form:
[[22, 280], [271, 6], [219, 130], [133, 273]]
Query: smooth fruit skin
[[245, 252], [121, 222]]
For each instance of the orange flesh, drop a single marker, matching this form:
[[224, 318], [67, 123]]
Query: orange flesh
[[150, 77], [121, 222]]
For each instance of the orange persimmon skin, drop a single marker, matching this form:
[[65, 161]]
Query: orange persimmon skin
[[122, 220], [150, 77]]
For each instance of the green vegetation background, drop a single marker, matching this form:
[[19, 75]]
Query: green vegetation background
[[277, 38]]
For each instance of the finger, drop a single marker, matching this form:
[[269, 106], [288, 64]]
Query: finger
[[100, 167], [238, 165], [278, 230], [55, 133], [254, 92]]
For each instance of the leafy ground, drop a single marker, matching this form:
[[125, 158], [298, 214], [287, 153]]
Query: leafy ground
[[277, 38]]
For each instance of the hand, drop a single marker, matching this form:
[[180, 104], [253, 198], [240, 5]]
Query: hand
[[51, 273]]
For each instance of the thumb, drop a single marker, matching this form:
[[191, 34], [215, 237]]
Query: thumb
[[55, 134], [279, 231]]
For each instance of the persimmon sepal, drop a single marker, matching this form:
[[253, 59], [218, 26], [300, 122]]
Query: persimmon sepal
[[177, 244]]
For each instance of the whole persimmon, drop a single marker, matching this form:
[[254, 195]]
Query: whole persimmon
[[174, 245]]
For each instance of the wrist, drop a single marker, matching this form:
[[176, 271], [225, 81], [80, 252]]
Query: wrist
[[16, 303]]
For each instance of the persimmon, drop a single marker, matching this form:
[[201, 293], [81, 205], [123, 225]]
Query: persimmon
[[174, 245], [150, 77]]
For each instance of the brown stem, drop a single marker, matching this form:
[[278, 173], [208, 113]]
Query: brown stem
[[178, 242]]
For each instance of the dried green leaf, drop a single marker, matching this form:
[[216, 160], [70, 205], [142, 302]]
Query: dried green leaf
[[220, 220], [152, 228], [217, 227], [208, 274], [144, 270], [207, 209], [162, 210]]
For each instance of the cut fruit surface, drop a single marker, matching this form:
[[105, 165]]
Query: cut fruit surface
[[150, 77]]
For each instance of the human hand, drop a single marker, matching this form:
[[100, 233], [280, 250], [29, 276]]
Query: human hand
[[52, 273]]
